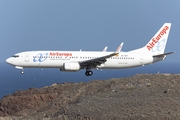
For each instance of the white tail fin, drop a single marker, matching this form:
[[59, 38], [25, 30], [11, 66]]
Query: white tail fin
[[158, 42]]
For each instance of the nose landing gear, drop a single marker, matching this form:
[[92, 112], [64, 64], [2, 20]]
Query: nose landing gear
[[21, 68], [22, 72]]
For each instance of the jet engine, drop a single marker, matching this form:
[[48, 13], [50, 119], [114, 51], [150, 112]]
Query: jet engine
[[70, 67]]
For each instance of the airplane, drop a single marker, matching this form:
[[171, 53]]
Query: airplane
[[72, 61]]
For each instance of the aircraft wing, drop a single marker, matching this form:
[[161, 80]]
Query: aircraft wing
[[96, 61]]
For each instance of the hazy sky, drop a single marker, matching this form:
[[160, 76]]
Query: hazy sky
[[88, 25]]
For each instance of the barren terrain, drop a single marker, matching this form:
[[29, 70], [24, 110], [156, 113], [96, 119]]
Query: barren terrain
[[144, 97]]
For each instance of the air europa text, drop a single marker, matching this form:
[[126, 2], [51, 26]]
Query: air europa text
[[153, 41], [60, 54]]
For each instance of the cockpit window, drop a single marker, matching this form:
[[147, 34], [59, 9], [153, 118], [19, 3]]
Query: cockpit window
[[15, 56]]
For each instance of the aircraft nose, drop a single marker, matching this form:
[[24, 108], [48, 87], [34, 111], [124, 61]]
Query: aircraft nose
[[9, 61]]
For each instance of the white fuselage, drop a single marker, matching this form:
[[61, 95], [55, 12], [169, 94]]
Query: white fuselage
[[56, 59]]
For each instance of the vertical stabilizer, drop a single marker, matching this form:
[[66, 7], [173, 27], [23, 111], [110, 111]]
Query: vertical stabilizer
[[157, 44]]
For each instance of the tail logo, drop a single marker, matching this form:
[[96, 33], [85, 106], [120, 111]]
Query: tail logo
[[154, 40], [160, 45]]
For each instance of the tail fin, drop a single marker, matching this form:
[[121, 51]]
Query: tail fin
[[158, 42]]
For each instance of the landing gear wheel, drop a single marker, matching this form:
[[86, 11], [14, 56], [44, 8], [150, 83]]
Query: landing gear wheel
[[88, 73], [22, 72]]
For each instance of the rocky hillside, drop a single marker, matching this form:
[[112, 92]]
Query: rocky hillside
[[138, 97]]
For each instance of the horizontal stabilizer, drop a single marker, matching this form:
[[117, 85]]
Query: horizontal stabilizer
[[163, 54]]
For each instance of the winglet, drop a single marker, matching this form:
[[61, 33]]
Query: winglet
[[104, 50], [119, 48]]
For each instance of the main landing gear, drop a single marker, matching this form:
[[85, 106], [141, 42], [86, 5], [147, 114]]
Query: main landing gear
[[88, 72]]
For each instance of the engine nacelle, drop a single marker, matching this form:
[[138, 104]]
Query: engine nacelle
[[71, 67]]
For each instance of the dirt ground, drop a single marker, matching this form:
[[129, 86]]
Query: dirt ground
[[140, 97]]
